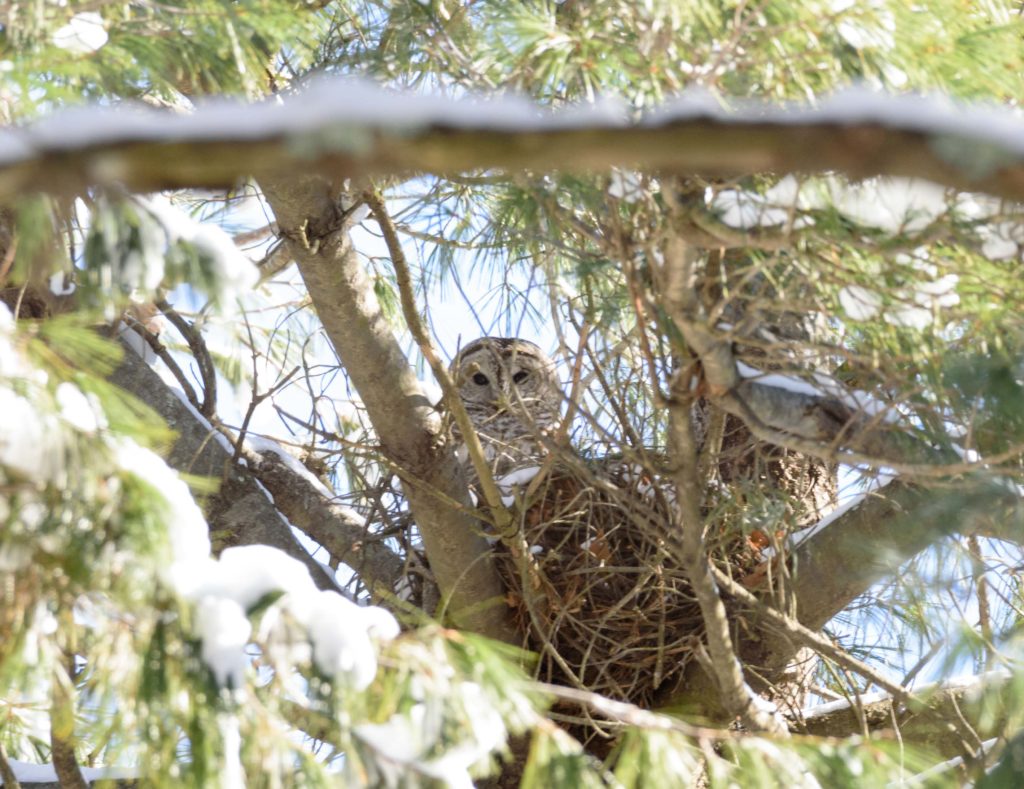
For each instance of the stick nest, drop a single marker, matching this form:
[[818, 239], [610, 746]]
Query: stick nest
[[596, 590]]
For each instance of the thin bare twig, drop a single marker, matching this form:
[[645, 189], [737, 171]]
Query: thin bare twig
[[403, 279], [201, 353], [153, 341], [809, 638], [688, 541]]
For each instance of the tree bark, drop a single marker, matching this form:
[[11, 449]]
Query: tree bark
[[348, 130], [310, 217], [240, 509]]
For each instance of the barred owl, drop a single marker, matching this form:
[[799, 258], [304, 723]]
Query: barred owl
[[511, 392]]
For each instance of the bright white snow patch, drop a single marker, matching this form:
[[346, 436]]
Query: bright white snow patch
[[31, 442], [235, 272], [83, 35], [912, 307], [870, 26], [745, 210], [78, 410], [186, 527], [516, 478], [248, 573], [405, 739], [224, 628], [341, 633], [1002, 240], [61, 284], [859, 304], [626, 185], [823, 386], [232, 775]]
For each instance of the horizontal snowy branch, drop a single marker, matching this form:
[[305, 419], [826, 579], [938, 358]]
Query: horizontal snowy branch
[[346, 128]]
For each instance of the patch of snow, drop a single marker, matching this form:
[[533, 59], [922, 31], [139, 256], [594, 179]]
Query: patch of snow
[[174, 387], [966, 455], [797, 539], [137, 344], [859, 303], [31, 442], [518, 477], [1002, 241], [872, 26], [626, 185], [224, 628], [261, 445], [81, 412], [744, 210], [341, 631], [83, 35], [235, 273], [232, 774], [778, 381], [331, 103], [61, 284], [247, 573], [914, 307], [405, 739], [186, 527], [767, 706], [842, 704]]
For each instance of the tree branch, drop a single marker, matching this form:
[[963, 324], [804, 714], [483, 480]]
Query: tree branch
[[736, 695], [351, 129], [312, 220], [335, 527], [240, 508], [924, 720]]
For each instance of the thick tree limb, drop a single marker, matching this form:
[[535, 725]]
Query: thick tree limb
[[403, 417], [346, 129], [335, 527], [864, 544], [924, 721], [240, 509]]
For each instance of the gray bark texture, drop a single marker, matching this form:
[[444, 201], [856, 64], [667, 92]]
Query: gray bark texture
[[309, 215], [240, 510]]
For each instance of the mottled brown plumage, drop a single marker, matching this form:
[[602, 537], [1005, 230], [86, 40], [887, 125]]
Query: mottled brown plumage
[[511, 391]]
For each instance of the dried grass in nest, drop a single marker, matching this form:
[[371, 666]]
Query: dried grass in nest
[[598, 595]]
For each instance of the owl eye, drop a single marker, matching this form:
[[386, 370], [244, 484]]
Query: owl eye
[[520, 376], [480, 379]]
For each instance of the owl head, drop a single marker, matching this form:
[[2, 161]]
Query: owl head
[[506, 375]]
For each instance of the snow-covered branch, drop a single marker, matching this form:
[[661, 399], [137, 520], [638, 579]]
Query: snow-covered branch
[[340, 530], [345, 128], [241, 509]]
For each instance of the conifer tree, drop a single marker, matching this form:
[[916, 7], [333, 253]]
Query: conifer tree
[[774, 250]]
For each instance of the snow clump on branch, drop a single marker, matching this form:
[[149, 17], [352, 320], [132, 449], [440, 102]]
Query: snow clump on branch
[[83, 35], [341, 634]]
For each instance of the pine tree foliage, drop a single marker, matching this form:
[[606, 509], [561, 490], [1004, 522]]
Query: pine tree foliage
[[145, 632]]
